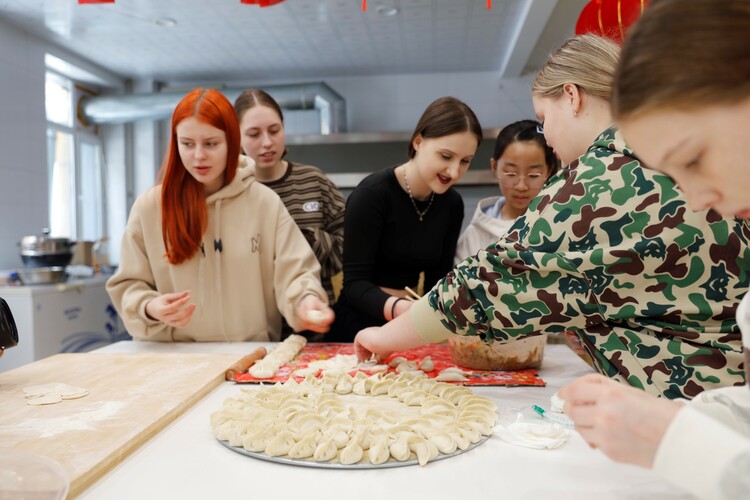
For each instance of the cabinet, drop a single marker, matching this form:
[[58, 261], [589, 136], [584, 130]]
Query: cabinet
[[75, 316]]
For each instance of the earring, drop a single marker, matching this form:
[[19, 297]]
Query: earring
[[575, 113]]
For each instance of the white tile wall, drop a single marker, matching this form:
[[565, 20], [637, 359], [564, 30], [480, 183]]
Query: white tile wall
[[23, 161], [23, 139]]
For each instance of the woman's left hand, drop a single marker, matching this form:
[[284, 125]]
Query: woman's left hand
[[316, 316]]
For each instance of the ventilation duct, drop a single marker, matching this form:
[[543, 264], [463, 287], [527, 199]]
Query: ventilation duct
[[135, 107]]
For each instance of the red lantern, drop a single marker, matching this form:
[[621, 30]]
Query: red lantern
[[95, 1], [261, 3], [610, 18]]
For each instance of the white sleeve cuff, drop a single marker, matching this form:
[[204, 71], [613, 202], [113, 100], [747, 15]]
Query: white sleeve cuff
[[696, 451]]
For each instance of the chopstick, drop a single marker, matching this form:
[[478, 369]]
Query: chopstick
[[412, 295]]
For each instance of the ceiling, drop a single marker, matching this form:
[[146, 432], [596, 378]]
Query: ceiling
[[224, 39]]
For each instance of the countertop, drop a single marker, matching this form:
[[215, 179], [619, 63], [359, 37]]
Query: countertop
[[185, 460]]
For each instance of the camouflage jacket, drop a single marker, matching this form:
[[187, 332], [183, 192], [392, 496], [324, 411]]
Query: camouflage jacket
[[610, 250]]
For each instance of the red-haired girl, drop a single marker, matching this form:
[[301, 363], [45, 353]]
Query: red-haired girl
[[210, 254]]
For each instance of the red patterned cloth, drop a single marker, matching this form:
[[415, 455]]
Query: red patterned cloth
[[439, 353]]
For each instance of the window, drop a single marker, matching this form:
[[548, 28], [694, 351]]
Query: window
[[75, 166]]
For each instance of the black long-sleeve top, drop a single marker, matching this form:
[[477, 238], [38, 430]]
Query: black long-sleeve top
[[385, 243]]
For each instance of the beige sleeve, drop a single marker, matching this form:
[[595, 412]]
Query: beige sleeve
[[132, 286], [296, 269]]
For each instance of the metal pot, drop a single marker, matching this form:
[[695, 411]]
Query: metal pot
[[44, 251], [42, 275]]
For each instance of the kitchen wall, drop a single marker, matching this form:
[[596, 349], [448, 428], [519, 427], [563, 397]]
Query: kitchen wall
[[23, 136], [383, 103], [23, 163]]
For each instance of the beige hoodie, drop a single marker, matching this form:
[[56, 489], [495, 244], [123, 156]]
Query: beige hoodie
[[255, 266]]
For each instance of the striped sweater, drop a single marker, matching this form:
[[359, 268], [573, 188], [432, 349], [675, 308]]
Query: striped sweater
[[317, 206]]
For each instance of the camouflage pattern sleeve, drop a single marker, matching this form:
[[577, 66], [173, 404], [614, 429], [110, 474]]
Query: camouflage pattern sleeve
[[610, 250]]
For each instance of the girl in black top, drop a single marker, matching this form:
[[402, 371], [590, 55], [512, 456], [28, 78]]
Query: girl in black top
[[405, 220]]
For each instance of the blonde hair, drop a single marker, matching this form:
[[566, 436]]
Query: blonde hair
[[588, 61]]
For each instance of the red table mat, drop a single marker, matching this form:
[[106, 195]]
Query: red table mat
[[440, 354]]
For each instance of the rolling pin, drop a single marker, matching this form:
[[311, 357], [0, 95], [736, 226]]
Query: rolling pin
[[245, 363]]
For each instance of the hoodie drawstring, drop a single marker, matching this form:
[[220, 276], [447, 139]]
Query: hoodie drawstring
[[217, 268]]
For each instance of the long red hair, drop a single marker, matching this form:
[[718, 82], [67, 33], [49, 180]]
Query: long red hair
[[184, 214]]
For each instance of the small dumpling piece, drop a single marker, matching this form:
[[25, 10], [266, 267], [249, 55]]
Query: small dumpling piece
[[256, 442], [325, 451], [396, 361], [280, 444], [422, 448], [352, 453], [381, 386], [379, 452], [400, 448], [305, 447], [344, 385], [443, 442], [426, 365], [445, 376], [406, 366], [455, 369], [46, 399], [262, 371], [414, 398]]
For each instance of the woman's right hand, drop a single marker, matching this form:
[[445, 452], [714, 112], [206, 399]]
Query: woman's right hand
[[172, 309]]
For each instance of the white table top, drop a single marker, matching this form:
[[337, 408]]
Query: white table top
[[185, 461]]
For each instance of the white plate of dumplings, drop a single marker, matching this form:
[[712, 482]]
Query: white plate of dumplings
[[359, 422]]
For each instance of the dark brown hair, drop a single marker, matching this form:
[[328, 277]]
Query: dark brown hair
[[446, 116], [685, 55]]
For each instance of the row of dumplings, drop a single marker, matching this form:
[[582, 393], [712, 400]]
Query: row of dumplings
[[312, 419], [280, 355]]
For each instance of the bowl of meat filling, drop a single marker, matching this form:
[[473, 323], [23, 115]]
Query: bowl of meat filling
[[473, 352]]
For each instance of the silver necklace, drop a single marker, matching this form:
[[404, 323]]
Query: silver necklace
[[420, 213]]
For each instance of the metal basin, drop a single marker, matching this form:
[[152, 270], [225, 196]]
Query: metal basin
[[42, 275]]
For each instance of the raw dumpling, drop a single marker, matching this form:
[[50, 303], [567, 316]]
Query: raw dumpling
[[400, 448], [426, 365], [397, 361], [379, 452], [450, 377], [422, 448], [256, 442], [344, 384], [352, 453], [406, 366], [305, 447], [280, 444], [325, 451], [443, 442]]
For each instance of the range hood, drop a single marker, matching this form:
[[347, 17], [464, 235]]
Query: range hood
[[102, 110]]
